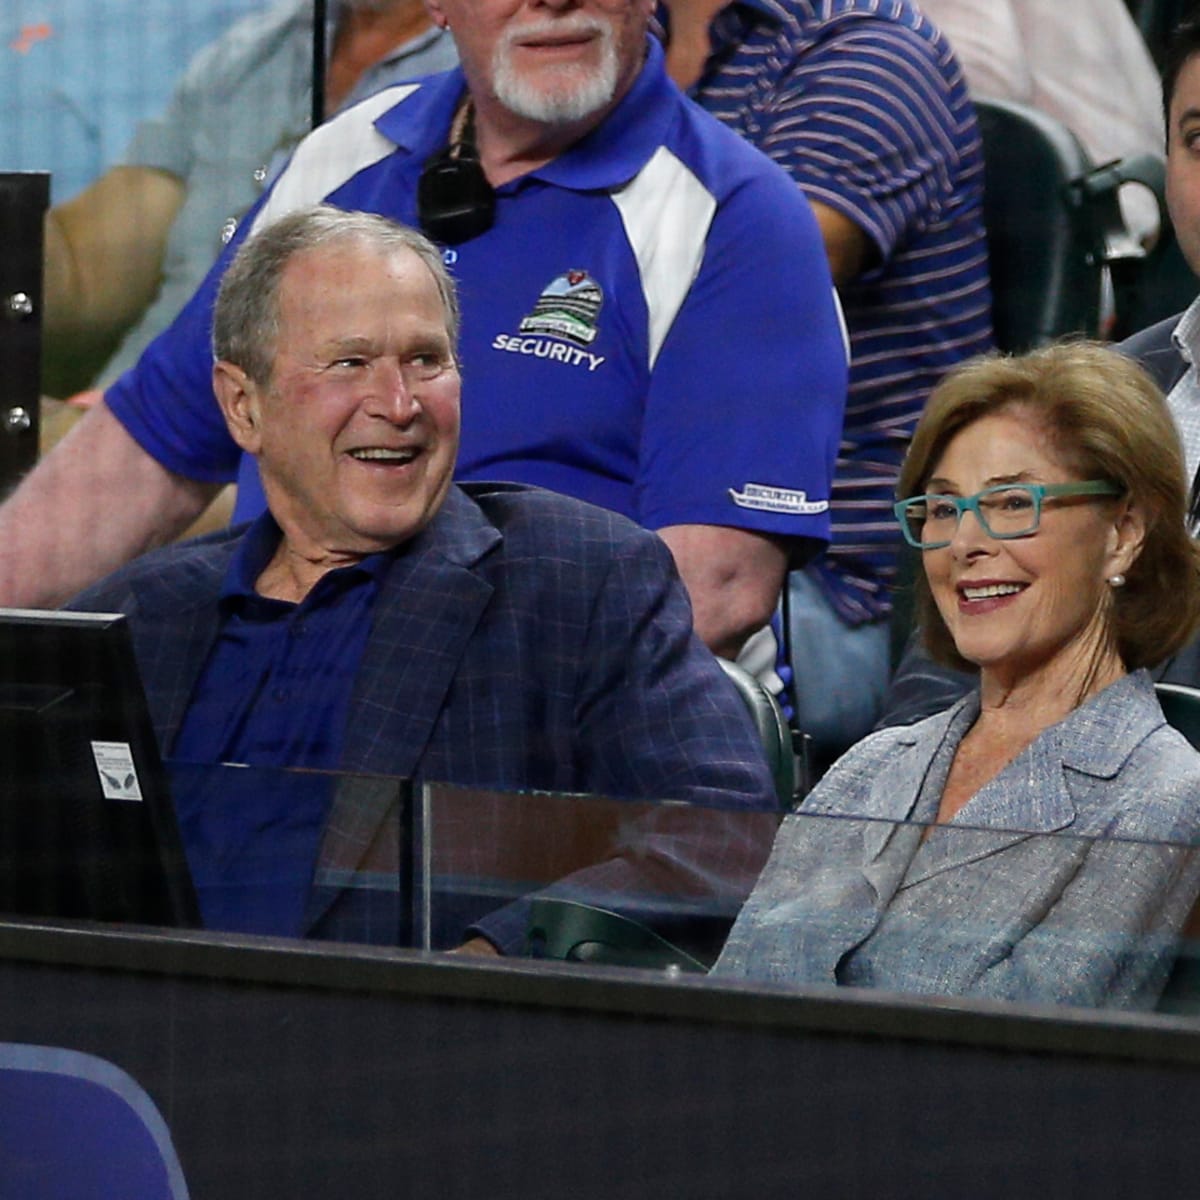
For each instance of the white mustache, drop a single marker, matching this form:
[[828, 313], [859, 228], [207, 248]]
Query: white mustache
[[570, 26]]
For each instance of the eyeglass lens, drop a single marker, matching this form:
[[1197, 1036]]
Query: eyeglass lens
[[1004, 512]]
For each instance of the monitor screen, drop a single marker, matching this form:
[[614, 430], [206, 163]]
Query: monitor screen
[[87, 829]]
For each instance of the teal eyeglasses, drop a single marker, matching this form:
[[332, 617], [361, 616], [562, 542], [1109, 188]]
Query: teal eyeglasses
[[1008, 510]]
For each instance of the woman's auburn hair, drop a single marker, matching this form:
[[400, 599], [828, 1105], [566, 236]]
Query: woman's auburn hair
[[1109, 421]]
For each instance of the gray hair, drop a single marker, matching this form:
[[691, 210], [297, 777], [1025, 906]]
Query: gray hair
[[246, 318]]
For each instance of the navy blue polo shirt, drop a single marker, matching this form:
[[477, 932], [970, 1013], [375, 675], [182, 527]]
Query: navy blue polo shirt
[[275, 692]]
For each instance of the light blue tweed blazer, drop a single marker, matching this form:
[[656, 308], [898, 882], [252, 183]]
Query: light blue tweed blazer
[[1052, 884]]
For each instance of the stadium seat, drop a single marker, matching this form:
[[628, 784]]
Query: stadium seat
[[76, 1127], [773, 730], [1042, 242]]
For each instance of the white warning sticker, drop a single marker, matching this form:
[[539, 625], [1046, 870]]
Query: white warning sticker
[[114, 764]]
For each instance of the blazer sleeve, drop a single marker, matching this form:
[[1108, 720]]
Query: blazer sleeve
[[656, 719]]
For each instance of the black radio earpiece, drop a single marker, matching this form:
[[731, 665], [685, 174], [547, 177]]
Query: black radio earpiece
[[455, 202]]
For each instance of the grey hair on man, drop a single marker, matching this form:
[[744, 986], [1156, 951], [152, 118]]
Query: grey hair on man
[[246, 315]]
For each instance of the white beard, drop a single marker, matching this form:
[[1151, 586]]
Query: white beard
[[575, 92]]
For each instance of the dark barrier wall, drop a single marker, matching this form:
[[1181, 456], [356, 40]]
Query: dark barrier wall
[[295, 1072]]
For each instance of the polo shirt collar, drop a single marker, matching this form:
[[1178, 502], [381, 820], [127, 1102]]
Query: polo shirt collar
[[614, 152], [420, 123], [255, 551]]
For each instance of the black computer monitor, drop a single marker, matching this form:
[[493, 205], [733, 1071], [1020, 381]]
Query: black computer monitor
[[87, 829]]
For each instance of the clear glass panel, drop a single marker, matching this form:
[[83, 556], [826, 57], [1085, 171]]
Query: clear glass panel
[[298, 853], [677, 870], [1038, 917], [991, 913]]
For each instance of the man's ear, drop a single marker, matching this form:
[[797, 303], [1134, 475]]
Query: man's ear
[[238, 397]]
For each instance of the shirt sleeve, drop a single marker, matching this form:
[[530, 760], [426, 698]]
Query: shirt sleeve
[[746, 398], [864, 123]]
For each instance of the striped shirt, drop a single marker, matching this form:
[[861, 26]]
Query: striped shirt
[[863, 103]]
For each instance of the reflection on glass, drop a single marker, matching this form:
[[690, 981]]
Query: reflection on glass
[[342, 877], [679, 870], [432, 867]]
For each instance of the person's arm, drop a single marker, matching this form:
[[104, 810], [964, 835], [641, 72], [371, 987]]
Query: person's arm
[[744, 412], [849, 249], [656, 718], [103, 263], [733, 577], [97, 500], [1110, 937]]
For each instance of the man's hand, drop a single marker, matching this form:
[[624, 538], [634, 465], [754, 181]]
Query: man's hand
[[477, 945]]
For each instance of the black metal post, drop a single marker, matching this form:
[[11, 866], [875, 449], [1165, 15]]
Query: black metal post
[[24, 197], [318, 62]]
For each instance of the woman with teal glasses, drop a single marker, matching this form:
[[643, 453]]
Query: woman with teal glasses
[[1034, 842]]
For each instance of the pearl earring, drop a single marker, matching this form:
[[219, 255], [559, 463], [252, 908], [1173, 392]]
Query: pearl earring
[[1117, 580]]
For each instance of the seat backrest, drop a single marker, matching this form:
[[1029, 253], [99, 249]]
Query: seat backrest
[[72, 1124], [570, 931], [1181, 707], [1044, 269], [1157, 19], [773, 730]]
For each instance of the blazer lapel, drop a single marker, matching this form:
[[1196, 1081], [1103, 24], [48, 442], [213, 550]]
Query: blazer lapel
[[855, 888], [1033, 796], [427, 609], [192, 642], [894, 793], [1028, 798], [926, 753], [174, 629]]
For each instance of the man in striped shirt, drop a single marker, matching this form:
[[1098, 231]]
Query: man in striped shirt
[[865, 106]]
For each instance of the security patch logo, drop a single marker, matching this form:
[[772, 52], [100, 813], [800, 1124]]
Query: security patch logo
[[563, 323], [568, 308], [777, 500]]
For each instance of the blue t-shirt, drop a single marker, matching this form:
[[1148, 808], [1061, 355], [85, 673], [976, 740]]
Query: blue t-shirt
[[649, 325], [866, 108]]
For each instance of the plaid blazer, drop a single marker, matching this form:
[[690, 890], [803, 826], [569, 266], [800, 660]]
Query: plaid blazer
[[523, 640], [1063, 879]]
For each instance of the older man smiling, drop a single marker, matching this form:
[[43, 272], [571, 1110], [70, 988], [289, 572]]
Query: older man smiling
[[379, 619]]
